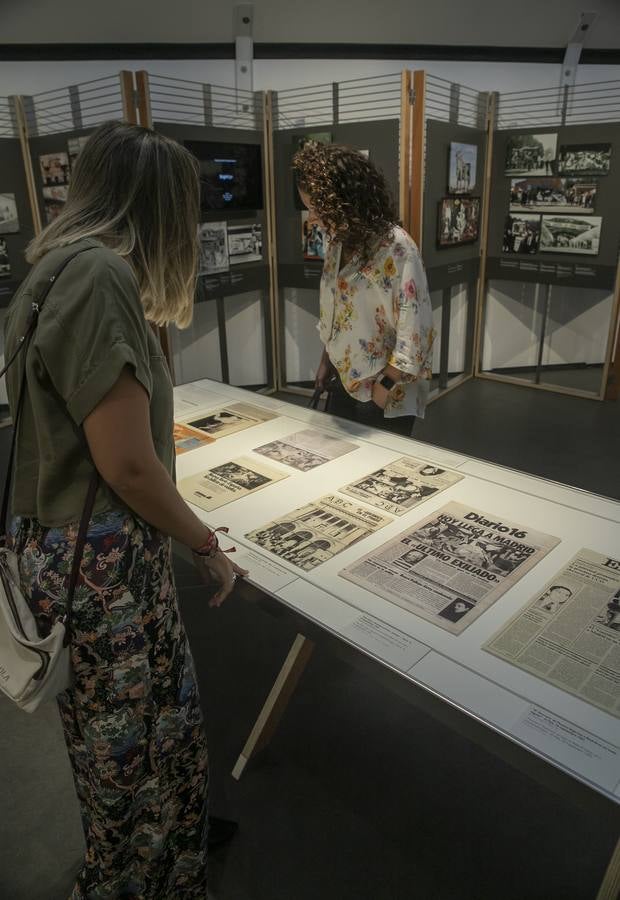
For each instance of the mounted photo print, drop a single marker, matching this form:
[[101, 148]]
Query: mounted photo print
[[531, 154], [213, 248], [462, 168], [313, 239], [54, 169], [5, 264], [245, 244], [9, 222], [552, 195], [521, 233], [564, 234], [584, 159], [316, 137], [54, 199], [458, 221]]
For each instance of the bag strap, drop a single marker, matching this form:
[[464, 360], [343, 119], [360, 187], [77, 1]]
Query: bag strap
[[23, 345]]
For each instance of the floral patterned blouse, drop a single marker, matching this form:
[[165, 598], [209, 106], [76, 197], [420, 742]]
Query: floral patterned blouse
[[379, 315]]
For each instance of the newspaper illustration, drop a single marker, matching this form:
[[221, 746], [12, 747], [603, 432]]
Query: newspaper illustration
[[315, 533], [186, 438], [305, 450], [452, 566], [230, 481], [231, 418], [569, 635], [401, 485]]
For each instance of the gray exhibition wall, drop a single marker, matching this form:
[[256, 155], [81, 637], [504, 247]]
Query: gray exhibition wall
[[576, 270], [13, 181]]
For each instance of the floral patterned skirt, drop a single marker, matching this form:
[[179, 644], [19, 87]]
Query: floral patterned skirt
[[132, 719]]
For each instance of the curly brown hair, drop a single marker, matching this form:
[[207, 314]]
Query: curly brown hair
[[348, 193]]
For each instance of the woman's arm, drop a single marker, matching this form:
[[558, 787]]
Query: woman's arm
[[118, 432]]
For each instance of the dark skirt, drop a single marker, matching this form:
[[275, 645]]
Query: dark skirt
[[340, 403]]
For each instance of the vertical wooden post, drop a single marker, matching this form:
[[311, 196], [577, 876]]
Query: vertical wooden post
[[610, 887], [22, 131], [278, 377], [404, 183], [610, 388], [484, 231], [143, 99], [417, 155], [128, 96]]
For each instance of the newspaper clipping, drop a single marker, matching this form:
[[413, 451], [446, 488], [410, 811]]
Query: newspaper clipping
[[401, 485], [305, 450], [315, 533], [230, 419], [451, 566], [186, 438], [230, 481], [570, 634]]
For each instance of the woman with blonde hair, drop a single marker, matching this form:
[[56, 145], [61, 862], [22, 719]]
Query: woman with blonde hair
[[97, 410]]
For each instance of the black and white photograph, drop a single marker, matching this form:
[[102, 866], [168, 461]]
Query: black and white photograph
[[229, 481], [75, 146], [54, 169], [401, 485], [565, 234], [455, 611], [245, 244], [230, 419], [610, 617], [213, 248], [305, 450], [584, 159], [458, 221], [531, 154], [9, 221], [521, 233], [462, 168], [54, 199], [555, 598], [552, 195], [5, 263]]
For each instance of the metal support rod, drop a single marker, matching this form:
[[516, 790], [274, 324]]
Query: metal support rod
[[444, 352]]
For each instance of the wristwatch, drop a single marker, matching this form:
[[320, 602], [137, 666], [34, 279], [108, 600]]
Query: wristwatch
[[386, 382]]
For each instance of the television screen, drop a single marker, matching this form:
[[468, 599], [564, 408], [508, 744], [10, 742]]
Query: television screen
[[231, 175]]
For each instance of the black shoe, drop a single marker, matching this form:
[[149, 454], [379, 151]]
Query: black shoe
[[221, 831]]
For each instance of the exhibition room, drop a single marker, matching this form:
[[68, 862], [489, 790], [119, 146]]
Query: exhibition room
[[310, 448]]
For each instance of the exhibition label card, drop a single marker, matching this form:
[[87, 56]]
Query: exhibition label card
[[389, 644], [452, 566], [401, 485], [230, 419], [227, 482], [264, 572], [305, 450]]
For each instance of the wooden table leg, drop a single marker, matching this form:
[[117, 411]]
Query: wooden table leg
[[610, 888], [276, 702]]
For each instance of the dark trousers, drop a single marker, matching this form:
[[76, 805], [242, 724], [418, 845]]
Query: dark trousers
[[339, 403]]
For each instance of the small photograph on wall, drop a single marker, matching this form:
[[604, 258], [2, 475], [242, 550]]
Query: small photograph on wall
[[552, 195], [521, 233], [584, 159], [462, 168], [564, 234], [245, 244], [213, 248], [54, 199], [313, 239], [54, 169], [316, 137], [9, 222], [531, 154], [5, 265], [459, 221], [75, 146]]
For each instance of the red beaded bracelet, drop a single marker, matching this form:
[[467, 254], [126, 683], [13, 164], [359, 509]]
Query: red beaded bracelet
[[210, 546]]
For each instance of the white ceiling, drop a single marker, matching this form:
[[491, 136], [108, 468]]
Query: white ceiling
[[523, 23]]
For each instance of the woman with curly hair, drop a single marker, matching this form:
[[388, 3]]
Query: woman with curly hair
[[376, 320]]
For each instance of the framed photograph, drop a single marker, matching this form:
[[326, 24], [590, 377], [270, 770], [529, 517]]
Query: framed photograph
[[531, 154], [54, 199], [213, 248], [5, 264], [462, 168], [54, 169], [9, 222], [521, 233], [552, 195], [245, 244], [565, 234], [458, 221], [316, 137], [584, 159], [313, 240]]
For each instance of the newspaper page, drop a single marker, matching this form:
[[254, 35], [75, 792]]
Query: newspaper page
[[186, 438], [569, 635], [230, 481], [305, 450], [401, 485], [315, 533], [452, 566], [231, 418]]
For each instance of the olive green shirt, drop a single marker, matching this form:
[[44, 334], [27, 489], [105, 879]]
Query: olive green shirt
[[91, 326]]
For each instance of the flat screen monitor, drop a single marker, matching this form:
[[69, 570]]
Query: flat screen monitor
[[231, 175]]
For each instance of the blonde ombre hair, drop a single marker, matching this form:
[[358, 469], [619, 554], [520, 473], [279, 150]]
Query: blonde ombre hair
[[138, 192]]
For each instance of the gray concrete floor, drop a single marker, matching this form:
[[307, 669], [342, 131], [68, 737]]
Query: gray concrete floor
[[359, 796]]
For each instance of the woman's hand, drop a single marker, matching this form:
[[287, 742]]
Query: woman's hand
[[323, 372], [221, 569]]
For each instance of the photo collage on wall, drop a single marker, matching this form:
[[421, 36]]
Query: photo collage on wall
[[553, 193], [55, 171], [9, 224], [458, 219], [223, 245]]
